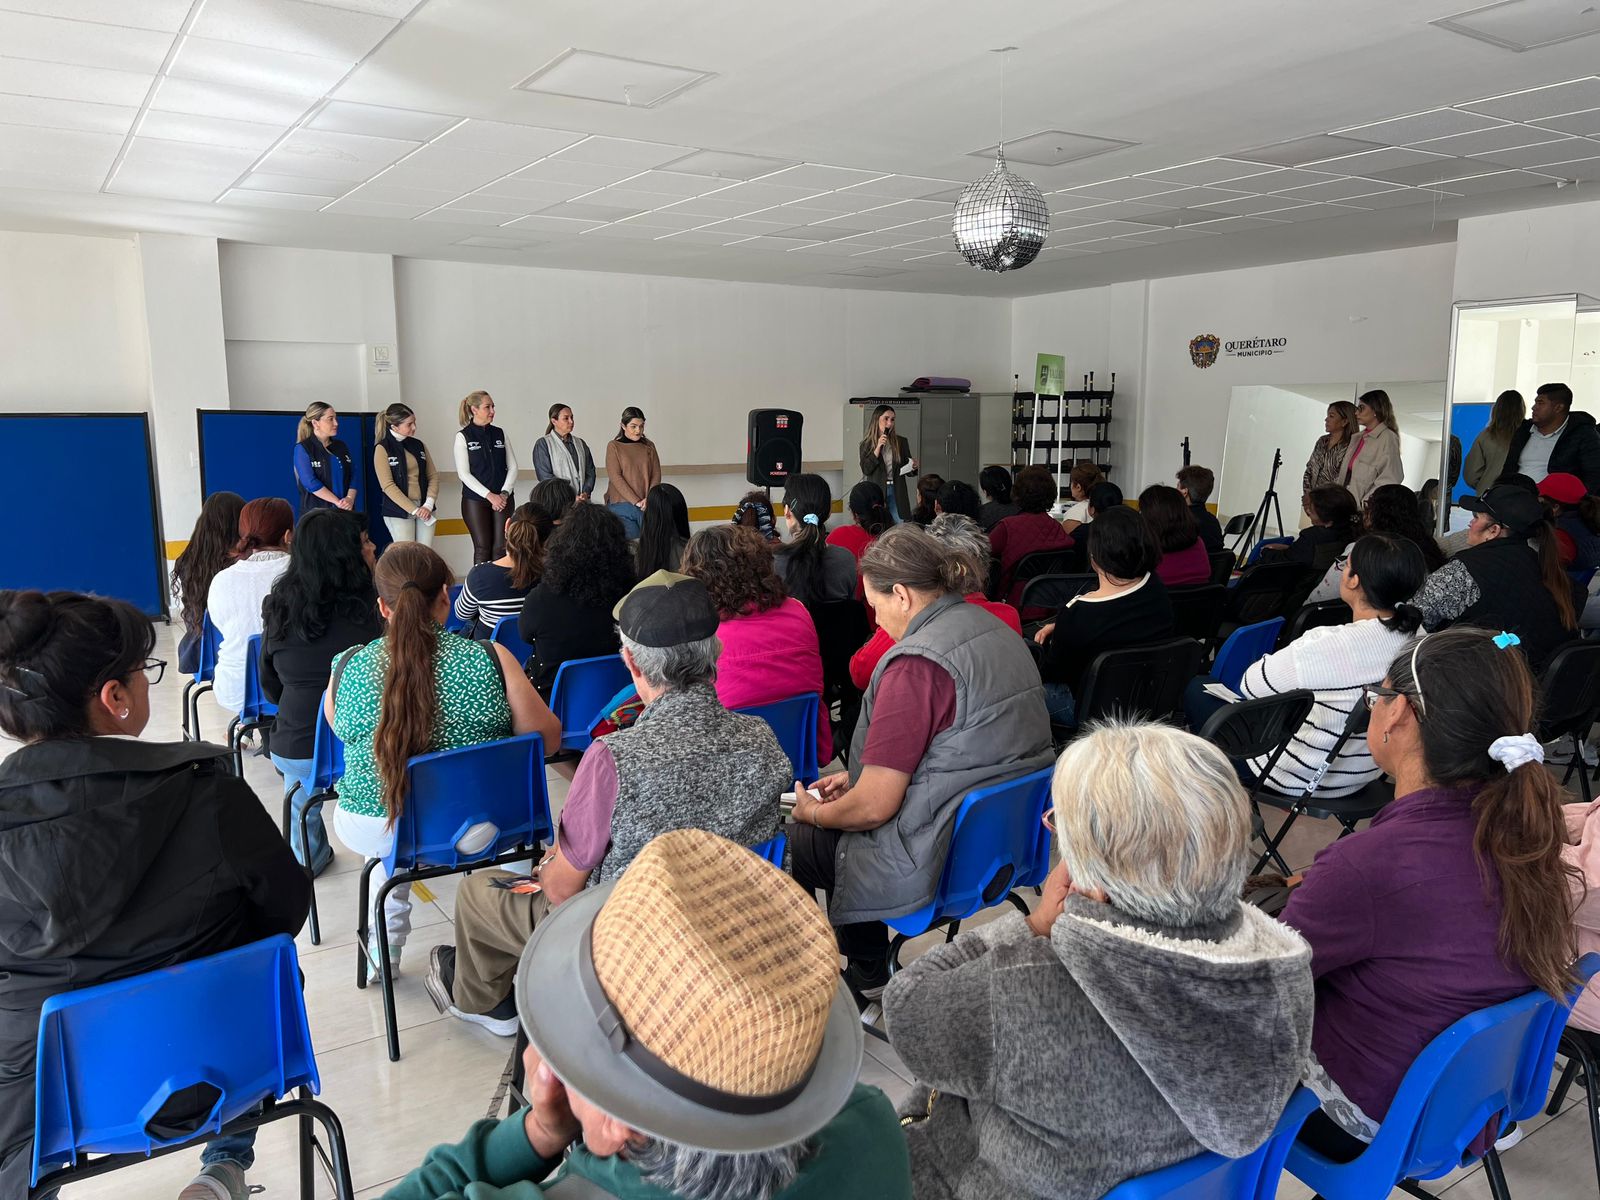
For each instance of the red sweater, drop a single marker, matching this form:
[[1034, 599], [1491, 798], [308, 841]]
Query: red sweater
[[865, 660]]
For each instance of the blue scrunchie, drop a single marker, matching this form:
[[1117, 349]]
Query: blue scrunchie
[[811, 519], [1506, 640]]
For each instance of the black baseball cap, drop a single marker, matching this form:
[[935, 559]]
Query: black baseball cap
[[667, 609], [1509, 505]]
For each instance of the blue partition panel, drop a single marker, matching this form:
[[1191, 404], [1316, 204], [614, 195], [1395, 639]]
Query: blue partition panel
[[91, 524], [1467, 421]]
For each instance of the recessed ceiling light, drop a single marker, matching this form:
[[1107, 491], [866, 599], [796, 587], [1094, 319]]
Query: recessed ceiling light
[[586, 75], [1520, 25], [1054, 147]]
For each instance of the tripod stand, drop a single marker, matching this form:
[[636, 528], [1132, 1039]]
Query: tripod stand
[[1256, 531]]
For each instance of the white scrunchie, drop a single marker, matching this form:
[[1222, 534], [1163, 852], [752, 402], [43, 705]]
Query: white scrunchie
[[1512, 752]]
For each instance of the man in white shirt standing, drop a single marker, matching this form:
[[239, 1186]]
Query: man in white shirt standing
[[1555, 439]]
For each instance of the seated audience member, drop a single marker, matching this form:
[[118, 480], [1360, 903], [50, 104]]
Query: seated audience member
[[496, 590], [1391, 509], [120, 855], [958, 498], [966, 544], [996, 485], [323, 604], [1335, 662], [209, 550], [720, 973], [869, 517], [415, 690], [755, 512], [813, 571], [1508, 577], [1456, 897], [664, 532], [1081, 480], [953, 706], [1581, 853], [686, 763], [1031, 529], [1335, 523], [1193, 1008], [1577, 521], [266, 527], [556, 496], [1128, 607], [1184, 560], [1196, 484], [769, 642], [1103, 497], [587, 569], [1554, 439], [928, 488]]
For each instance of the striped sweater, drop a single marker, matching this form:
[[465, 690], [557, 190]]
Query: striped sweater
[[1335, 663]]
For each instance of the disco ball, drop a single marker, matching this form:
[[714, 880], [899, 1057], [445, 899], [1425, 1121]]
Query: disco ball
[[1001, 220]]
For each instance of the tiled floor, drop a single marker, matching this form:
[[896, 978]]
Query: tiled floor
[[449, 1071]]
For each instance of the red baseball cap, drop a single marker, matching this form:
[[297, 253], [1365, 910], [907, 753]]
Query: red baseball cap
[[1563, 488]]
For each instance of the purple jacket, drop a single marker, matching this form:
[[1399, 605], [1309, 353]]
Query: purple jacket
[[1404, 925]]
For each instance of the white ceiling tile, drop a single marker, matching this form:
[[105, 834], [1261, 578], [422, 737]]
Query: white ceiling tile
[[715, 207], [641, 233], [251, 198], [474, 167], [82, 43], [1100, 229], [295, 185], [562, 170], [1240, 224], [66, 114], [1314, 212], [56, 151], [1121, 189], [499, 243], [624, 152], [24, 77], [1336, 189], [766, 193], [671, 183], [1193, 196], [1077, 220], [321, 154], [1160, 237], [1501, 137], [1370, 161], [526, 142], [627, 197], [1397, 199], [586, 210], [838, 202], [1575, 95], [548, 224], [199, 186], [158, 154], [294, 26], [705, 237], [82, 180], [202, 99], [398, 9], [749, 225], [1561, 150], [1439, 171], [1245, 206], [829, 249], [1420, 127], [1585, 124], [254, 67], [355, 206], [900, 187], [845, 223], [1299, 152], [533, 190], [820, 177], [882, 238], [384, 192], [466, 216], [342, 116], [478, 202], [717, 164], [803, 213], [779, 244], [1585, 171], [905, 211], [166, 15], [667, 219], [1210, 170], [209, 131], [1499, 181]]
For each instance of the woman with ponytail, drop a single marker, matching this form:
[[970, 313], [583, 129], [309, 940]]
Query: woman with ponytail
[[497, 589], [1456, 897], [1509, 576], [407, 478], [322, 465], [812, 570], [210, 550], [260, 556], [415, 690]]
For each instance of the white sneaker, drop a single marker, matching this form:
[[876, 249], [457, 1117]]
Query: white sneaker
[[219, 1181], [373, 952], [1508, 1139]]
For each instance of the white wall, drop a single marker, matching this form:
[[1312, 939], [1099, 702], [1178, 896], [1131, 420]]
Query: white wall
[[72, 329], [1538, 252]]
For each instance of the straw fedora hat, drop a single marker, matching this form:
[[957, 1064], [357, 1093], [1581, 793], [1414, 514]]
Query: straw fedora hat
[[695, 999]]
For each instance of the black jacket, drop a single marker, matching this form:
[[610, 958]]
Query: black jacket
[[1512, 596], [294, 674], [118, 857], [1576, 452], [1209, 528]]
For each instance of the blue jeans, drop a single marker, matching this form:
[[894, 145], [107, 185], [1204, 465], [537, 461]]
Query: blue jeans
[[298, 770], [1062, 707], [632, 517], [894, 509], [237, 1148]]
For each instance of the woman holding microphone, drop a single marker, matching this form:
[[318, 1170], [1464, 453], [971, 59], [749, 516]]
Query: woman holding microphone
[[632, 468], [488, 471], [886, 461], [560, 455], [406, 476], [322, 465]]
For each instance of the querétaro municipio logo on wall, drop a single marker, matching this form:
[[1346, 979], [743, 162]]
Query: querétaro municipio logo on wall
[[1256, 347], [1203, 349]]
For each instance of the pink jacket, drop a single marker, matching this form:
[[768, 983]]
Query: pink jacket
[[1583, 832], [769, 656]]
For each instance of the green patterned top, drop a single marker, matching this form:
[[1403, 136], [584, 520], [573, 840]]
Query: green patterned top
[[472, 709]]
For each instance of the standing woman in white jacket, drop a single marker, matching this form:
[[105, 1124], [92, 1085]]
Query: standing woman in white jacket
[[1374, 455], [488, 471]]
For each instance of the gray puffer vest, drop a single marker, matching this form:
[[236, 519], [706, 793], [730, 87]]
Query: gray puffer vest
[[689, 763], [1001, 730]]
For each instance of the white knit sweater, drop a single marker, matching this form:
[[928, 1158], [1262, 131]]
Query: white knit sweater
[[1334, 662], [234, 606]]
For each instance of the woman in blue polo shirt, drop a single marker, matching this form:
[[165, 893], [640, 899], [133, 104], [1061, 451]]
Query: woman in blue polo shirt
[[322, 465]]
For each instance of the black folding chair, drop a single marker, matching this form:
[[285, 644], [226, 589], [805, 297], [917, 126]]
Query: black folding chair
[[1262, 592], [1065, 560], [1222, 562], [1582, 1051], [1238, 524], [1249, 729], [1051, 592], [1136, 681], [842, 629], [1347, 810], [1197, 610], [1570, 702], [1314, 616]]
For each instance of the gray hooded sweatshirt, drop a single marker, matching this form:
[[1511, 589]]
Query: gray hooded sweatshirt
[[1059, 1068]]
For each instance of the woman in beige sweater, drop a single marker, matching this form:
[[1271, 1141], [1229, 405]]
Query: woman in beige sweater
[[1374, 455], [407, 479], [632, 468]]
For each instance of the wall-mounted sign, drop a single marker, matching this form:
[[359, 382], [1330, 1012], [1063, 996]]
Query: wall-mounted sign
[[1203, 348], [1256, 347], [382, 361]]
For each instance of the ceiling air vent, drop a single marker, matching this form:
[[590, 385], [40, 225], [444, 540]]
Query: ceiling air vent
[[585, 75], [1526, 24]]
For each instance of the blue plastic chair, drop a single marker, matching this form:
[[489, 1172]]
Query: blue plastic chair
[[998, 843], [123, 1067], [201, 681], [1488, 1069], [1245, 645], [453, 623], [773, 849], [256, 712], [794, 721], [327, 768], [499, 783], [1255, 552], [581, 686], [505, 634], [1213, 1177]]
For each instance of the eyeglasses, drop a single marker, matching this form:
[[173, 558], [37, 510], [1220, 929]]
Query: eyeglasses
[[1377, 692], [1339, 563], [1049, 818], [154, 668]]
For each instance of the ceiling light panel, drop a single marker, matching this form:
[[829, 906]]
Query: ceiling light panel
[[1556, 100], [250, 198], [718, 164], [293, 26], [82, 43], [323, 154], [209, 131], [586, 75], [1055, 147], [254, 67], [56, 81], [1421, 127], [66, 114], [1524, 24], [526, 142], [376, 120], [1305, 150]]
